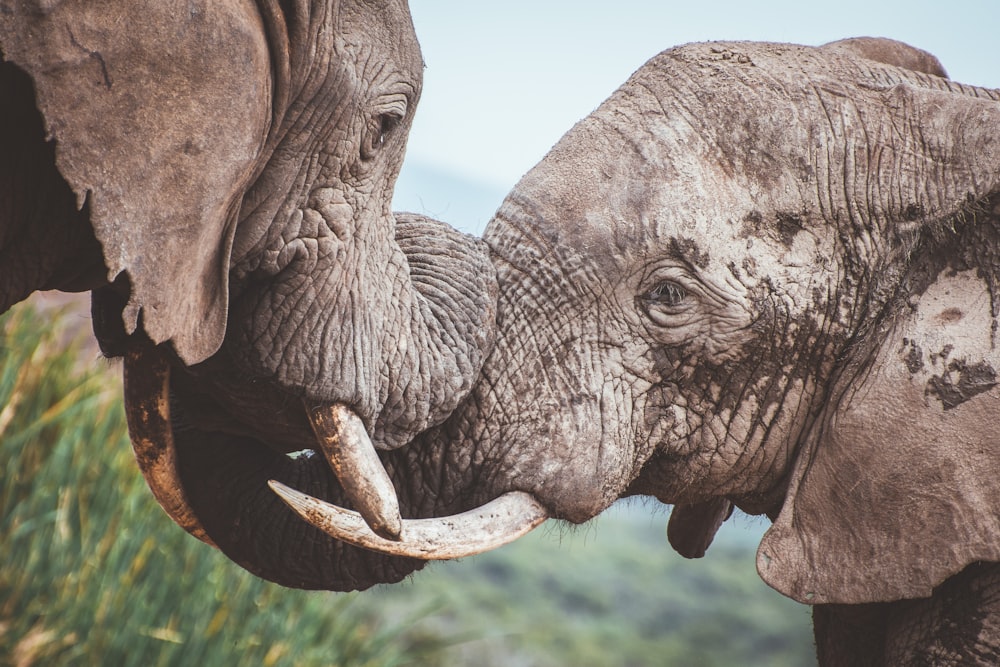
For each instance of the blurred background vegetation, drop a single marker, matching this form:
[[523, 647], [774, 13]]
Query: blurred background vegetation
[[93, 572]]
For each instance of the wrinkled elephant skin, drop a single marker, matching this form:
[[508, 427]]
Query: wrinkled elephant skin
[[759, 274], [768, 275], [221, 174]]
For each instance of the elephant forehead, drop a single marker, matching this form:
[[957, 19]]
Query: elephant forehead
[[388, 27], [688, 154]]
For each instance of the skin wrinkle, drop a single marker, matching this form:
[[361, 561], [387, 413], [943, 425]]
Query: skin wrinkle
[[585, 348], [360, 182], [769, 388], [738, 414], [679, 97], [626, 141], [830, 159], [529, 236], [526, 341], [727, 431]]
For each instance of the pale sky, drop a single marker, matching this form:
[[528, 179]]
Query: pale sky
[[504, 80]]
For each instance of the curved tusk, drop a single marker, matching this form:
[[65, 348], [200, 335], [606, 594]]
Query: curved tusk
[[147, 410], [492, 525], [351, 454]]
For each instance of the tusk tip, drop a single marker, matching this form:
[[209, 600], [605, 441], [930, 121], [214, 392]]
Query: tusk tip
[[391, 533], [306, 506], [388, 526], [342, 437]]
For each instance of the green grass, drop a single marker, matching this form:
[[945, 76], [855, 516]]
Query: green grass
[[93, 572]]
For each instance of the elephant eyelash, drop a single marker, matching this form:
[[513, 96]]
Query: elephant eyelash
[[666, 293], [378, 129], [387, 123], [664, 303]]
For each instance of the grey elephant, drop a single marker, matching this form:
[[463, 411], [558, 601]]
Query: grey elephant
[[760, 275], [221, 173]]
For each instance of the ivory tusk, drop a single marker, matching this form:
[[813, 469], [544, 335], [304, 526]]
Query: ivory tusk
[[492, 525], [351, 454], [147, 409]]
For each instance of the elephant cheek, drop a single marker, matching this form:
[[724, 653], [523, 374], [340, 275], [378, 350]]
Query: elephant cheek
[[331, 210]]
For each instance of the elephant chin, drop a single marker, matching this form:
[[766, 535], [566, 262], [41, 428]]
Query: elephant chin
[[215, 486]]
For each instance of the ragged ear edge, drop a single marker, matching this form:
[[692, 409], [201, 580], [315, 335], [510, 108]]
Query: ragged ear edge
[[159, 114], [897, 488]]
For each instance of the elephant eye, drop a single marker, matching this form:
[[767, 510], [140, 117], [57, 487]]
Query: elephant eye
[[666, 294], [665, 302], [378, 129]]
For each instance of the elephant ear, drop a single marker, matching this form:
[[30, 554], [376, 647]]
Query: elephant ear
[[896, 487], [890, 52], [159, 111]]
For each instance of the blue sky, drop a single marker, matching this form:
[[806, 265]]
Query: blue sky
[[505, 80]]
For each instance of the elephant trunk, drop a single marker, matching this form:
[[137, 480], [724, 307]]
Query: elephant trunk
[[226, 480], [215, 485], [395, 328], [210, 468]]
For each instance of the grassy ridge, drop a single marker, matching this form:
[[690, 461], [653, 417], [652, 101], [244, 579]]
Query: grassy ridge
[[93, 572]]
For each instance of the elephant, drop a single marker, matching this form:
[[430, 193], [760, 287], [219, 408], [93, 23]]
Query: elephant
[[221, 175], [761, 276]]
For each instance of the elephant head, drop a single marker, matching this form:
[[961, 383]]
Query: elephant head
[[228, 168], [762, 275], [765, 276]]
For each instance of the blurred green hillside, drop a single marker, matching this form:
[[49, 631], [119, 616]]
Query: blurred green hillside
[[93, 572], [612, 593]]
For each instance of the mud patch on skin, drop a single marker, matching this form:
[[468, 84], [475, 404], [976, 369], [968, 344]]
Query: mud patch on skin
[[786, 227], [972, 380], [789, 224], [914, 359], [950, 316], [686, 250]]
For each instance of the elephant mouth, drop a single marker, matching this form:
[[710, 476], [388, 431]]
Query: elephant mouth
[[341, 437]]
